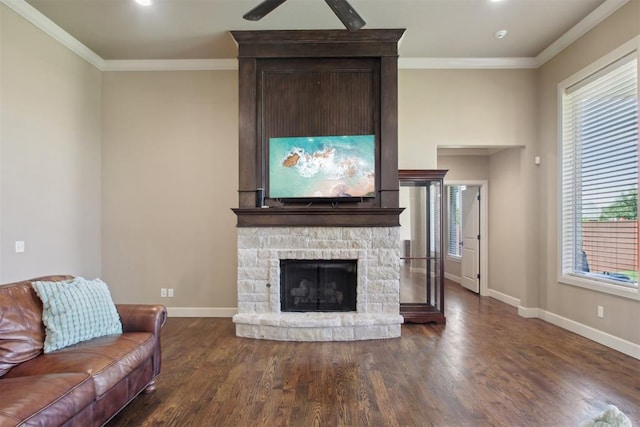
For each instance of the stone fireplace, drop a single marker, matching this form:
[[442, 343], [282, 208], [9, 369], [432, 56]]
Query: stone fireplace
[[305, 84], [375, 251]]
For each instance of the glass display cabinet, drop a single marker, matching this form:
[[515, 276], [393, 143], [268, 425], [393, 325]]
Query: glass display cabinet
[[421, 254]]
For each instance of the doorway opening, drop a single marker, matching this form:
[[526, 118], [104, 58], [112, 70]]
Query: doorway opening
[[466, 242]]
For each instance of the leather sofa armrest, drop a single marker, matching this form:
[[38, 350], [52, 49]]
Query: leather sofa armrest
[[142, 317], [145, 318]]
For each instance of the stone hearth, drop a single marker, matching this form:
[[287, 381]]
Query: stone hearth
[[376, 250]]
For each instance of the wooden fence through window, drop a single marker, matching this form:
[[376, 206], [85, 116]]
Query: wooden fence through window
[[611, 245]]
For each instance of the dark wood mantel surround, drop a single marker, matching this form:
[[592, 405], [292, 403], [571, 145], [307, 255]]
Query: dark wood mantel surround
[[315, 83]]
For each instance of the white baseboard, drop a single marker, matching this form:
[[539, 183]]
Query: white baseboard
[[507, 299], [611, 341], [528, 312], [201, 311], [453, 278]]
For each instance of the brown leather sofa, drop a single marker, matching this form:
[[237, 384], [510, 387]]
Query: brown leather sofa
[[85, 384]]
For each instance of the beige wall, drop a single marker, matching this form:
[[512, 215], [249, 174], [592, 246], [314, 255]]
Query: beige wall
[[622, 316], [507, 193], [463, 108], [49, 155], [464, 168], [170, 179]]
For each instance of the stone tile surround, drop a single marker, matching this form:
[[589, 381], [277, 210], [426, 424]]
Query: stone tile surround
[[376, 249]]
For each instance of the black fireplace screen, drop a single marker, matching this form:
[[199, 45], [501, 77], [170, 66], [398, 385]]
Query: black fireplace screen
[[318, 285]]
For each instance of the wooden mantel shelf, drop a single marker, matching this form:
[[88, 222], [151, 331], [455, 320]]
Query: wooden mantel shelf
[[318, 217]]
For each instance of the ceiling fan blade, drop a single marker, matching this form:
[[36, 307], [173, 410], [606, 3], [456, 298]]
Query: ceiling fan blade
[[259, 12], [346, 14]]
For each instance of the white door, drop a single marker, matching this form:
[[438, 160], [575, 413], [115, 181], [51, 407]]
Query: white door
[[470, 238]]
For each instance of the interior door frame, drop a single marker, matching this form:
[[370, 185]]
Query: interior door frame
[[484, 228]]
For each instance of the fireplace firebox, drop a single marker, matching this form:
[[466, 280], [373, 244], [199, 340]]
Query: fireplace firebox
[[318, 285]]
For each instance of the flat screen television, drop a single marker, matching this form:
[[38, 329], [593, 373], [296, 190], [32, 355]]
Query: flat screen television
[[322, 167]]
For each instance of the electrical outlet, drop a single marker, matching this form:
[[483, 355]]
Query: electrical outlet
[[163, 292], [19, 246], [170, 295], [600, 311]]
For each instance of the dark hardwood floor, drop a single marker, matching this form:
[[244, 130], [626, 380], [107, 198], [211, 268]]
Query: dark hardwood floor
[[486, 367]]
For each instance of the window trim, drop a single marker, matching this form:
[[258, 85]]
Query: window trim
[[630, 292]]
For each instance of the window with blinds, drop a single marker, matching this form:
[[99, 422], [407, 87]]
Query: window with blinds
[[454, 237], [599, 168]]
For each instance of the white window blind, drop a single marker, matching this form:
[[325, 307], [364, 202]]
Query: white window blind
[[454, 241], [600, 175]]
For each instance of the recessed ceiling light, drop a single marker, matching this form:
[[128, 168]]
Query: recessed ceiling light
[[500, 34], [144, 2]]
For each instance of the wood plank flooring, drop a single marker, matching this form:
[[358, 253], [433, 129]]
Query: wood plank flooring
[[486, 367]]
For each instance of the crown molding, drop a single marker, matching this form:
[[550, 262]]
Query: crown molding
[[465, 63], [32, 15], [232, 64], [606, 9], [28, 12], [171, 65]]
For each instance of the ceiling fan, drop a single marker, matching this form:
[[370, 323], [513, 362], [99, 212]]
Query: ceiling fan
[[341, 8]]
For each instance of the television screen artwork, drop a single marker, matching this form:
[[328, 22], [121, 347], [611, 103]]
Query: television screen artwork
[[322, 167]]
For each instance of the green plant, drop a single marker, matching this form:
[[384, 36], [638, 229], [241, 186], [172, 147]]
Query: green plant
[[624, 208]]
